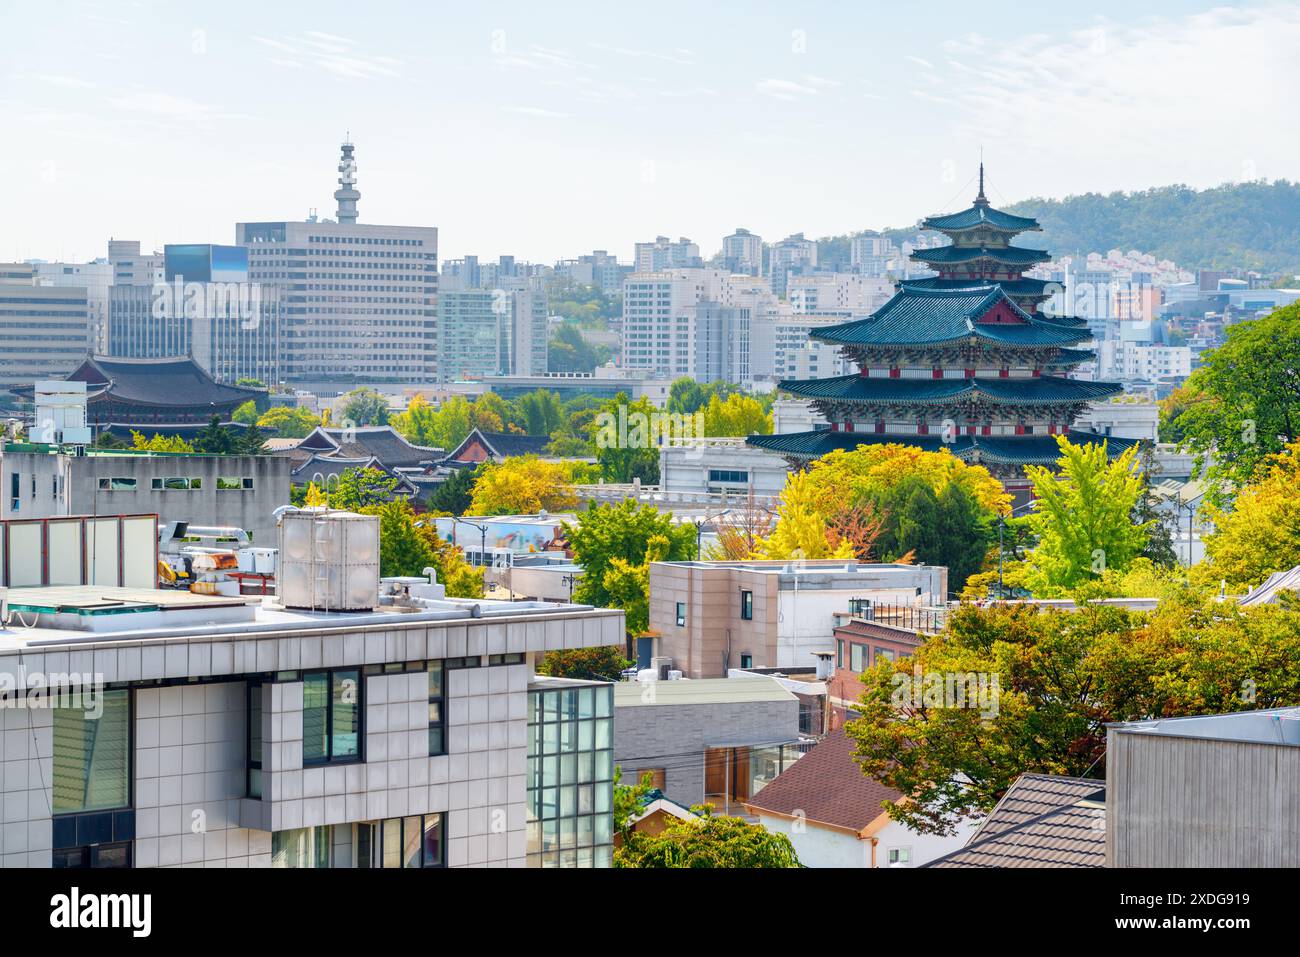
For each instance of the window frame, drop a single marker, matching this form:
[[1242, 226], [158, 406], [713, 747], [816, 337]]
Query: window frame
[[330, 758], [746, 605], [441, 701], [681, 614]]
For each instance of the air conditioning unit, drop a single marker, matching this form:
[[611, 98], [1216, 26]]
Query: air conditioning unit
[[329, 561]]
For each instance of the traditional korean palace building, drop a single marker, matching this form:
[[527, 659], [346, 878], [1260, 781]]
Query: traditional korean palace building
[[962, 360]]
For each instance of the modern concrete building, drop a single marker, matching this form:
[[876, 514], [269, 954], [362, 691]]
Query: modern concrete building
[[792, 254], [1214, 791], [604, 382], [708, 617], [659, 318], [663, 254], [359, 300], [196, 731], [205, 308], [223, 490], [45, 331], [742, 252], [94, 277], [720, 465], [716, 742]]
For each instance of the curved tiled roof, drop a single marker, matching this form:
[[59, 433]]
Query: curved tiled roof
[[932, 316], [1068, 357], [1022, 391], [1008, 255], [1006, 449], [980, 215], [178, 381], [1012, 287]]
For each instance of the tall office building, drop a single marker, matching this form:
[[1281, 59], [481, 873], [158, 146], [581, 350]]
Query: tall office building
[[45, 331], [359, 301], [742, 252], [205, 307], [474, 334], [663, 253], [792, 254], [96, 278], [131, 267]]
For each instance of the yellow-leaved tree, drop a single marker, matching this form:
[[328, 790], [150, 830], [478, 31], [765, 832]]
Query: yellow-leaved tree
[[1260, 533], [801, 530], [522, 485]]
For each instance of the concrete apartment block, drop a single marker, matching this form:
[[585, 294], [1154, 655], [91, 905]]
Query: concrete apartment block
[[191, 801]]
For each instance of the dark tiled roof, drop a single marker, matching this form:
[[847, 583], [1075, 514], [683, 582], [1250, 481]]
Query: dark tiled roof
[[827, 786], [381, 441], [1019, 391], [159, 382], [503, 444], [1012, 287], [1010, 450], [980, 215], [931, 316], [871, 629], [1042, 821], [1007, 255], [1070, 357]]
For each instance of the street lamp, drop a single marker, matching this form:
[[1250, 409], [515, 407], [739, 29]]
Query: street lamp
[[569, 580], [1002, 524], [482, 550]]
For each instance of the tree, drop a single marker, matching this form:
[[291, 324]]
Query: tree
[[245, 414], [446, 426], [290, 422], [159, 442], [214, 438], [604, 663], [686, 396], [624, 530], [1040, 686], [407, 547], [541, 411], [1247, 400], [801, 531], [569, 351], [736, 415], [631, 453], [628, 585], [706, 841], [453, 496], [358, 489], [314, 497], [364, 407], [521, 485], [251, 441], [1260, 534], [1083, 516]]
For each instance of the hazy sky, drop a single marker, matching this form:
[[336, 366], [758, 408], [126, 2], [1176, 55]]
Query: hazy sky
[[545, 130]]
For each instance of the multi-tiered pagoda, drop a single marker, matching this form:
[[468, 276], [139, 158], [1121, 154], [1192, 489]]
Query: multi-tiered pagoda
[[962, 360]]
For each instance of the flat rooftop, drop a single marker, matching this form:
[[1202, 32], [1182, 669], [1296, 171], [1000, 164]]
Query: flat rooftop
[[59, 615], [1279, 726], [631, 694]]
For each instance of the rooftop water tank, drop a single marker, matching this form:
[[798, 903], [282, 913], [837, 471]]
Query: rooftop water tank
[[329, 560]]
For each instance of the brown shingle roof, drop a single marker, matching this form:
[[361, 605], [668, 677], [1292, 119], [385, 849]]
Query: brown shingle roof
[[1042, 821], [826, 786]]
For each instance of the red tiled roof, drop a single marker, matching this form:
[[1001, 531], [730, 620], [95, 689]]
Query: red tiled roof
[[871, 629], [826, 786]]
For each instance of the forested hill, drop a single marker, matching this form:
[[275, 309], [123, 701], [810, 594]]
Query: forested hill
[[1246, 225]]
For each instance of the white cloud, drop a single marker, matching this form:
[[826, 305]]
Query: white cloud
[[332, 53], [784, 89], [537, 111]]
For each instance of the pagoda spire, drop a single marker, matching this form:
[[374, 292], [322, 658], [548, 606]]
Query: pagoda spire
[[981, 199]]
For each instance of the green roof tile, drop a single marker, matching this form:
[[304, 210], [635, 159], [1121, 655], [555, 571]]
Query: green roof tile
[[1019, 391], [1007, 255], [980, 215]]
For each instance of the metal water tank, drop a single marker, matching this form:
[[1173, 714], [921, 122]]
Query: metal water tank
[[329, 560]]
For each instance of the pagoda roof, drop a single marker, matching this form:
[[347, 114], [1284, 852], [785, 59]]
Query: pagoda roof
[[1012, 287], [1002, 450], [918, 317], [1021, 391], [1071, 356], [980, 214], [1007, 255], [172, 382]]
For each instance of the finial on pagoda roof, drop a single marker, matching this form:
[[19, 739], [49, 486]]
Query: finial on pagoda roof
[[981, 199]]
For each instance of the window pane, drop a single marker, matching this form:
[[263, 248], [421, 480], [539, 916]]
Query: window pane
[[92, 752], [433, 840], [345, 740], [315, 702], [412, 834], [435, 679], [392, 856]]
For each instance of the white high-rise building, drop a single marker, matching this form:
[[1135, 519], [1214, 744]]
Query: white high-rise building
[[742, 252], [848, 294], [659, 318], [45, 331], [792, 253], [663, 253], [360, 300], [94, 277]]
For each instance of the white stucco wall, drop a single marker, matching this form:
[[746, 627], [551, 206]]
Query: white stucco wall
[[826, 847]]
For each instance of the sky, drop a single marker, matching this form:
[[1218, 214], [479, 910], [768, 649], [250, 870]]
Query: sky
[[546, 130]]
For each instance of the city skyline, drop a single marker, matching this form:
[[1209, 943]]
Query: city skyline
[[541, 137]]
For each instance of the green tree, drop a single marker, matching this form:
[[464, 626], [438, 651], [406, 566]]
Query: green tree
[[1084, 517], [290, 422], [246, 414], [1260, 534], [364, 407], [604, 663], [624, 531], [625, 449], [707, 841], [569, 350], [214, 439], [453, 496], [521, 485], [736, 415], [362, 488], [251, 441], [159, 442], [1245, 400]]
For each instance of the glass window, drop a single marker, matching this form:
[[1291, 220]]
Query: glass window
[[331, 716], [255, 740], [884, 653], [746, 661], [412, 842], [857, 657], [437, 706], [113, 485], [747, 605], [303, 847], [900, 856], [839, 653], [92, 752], [681, 614]]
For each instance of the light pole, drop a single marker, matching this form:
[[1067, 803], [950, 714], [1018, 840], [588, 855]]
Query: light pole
[[1002, 524], [569, 580]]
